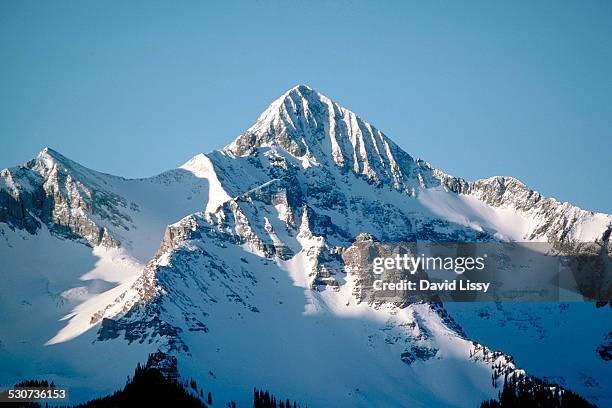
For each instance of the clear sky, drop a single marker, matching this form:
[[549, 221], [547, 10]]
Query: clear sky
[[475, 88]]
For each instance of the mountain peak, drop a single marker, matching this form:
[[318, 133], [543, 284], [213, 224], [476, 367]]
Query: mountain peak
[[50, 153], [48, 158], [309, 125], [303, 121], [301, 88], [49, 161], [289, 122]]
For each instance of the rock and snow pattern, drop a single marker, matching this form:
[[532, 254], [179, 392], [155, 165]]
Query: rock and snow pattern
[[241, 263]]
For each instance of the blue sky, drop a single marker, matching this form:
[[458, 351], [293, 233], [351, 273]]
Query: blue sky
[[476, 88]]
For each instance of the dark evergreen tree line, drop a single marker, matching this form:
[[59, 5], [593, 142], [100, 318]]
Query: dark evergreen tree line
[[530, 392], [148, 387], [263, 399], [25, 384]]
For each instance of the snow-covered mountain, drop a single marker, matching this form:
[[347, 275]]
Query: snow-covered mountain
[[244, 264]]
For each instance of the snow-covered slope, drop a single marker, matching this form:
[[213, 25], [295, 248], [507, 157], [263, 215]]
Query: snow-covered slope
[[71, 241], [256, 280]]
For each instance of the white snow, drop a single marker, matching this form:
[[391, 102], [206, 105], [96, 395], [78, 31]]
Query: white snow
[[466, 210], [202, 167]]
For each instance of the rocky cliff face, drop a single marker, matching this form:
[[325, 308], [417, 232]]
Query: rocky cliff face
[[553, 221], [63, 195]]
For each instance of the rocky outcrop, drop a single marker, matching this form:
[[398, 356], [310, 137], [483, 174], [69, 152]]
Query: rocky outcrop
[[553, 221], [64, 196]]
